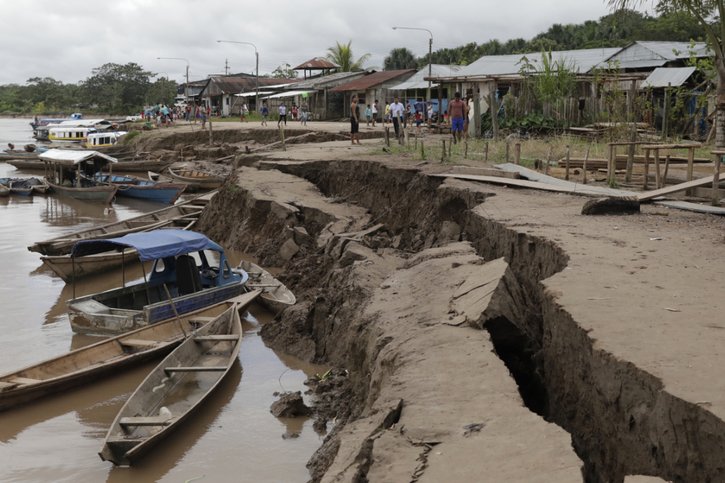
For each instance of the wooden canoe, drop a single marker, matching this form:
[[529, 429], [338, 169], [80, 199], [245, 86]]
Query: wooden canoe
[[175, 388], [185, 211], [196, 179], [102, 194], [72, 269], [108, 356], [275, 296]]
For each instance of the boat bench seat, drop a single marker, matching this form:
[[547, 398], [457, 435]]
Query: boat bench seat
[[200, 320], [203, 338], [195, 368], [146, 421], [139, 343], [25, 380], [7, 385]]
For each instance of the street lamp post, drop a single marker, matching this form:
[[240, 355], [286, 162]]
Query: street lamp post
[[186, 86], [256, 75], [430, 55]]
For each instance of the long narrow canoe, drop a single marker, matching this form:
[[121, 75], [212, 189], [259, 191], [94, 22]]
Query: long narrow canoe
[[174, 389], [70, 269], [196, 179], [156, 219], [275, 295], [102, 194], [108, 356]]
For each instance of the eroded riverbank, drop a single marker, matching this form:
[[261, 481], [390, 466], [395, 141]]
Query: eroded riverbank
[[579, 317]]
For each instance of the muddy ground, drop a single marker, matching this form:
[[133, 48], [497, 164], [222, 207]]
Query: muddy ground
[[481, 333]]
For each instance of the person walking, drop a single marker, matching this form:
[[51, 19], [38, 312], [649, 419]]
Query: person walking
[[397, 111], [386, 114], [368, 115], [457, 113], [375, 112], [354, 121], [304, 114], [282, 110], [265, 113]]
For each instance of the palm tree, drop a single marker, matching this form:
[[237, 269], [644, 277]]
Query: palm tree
[[401, 58], [341, 54]]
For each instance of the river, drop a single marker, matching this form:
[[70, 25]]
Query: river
[[231, 438]]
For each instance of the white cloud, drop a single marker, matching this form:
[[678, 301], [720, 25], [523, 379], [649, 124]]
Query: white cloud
[[66, 40]]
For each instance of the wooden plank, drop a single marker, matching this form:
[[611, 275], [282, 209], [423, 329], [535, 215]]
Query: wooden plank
[[668, 190], [146, 421], [7, 385], [223, 337], [25, 380], [696, 207], [139, 343], [520, 183], [201, 320], [195, 369]]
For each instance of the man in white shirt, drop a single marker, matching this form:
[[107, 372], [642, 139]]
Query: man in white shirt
[[375, 112], [282, 109], [397, 111]]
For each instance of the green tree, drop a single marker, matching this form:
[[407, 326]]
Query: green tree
[[284, 71], [709, 15], [117, 89], [341, 54], [400, 58], [162, 91]]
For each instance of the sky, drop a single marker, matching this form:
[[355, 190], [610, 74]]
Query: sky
[[66, 40]]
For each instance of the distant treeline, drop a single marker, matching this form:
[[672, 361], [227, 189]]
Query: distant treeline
[[615, 30], [112, 88]]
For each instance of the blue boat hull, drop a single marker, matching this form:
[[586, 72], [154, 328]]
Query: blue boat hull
[[150, 193]]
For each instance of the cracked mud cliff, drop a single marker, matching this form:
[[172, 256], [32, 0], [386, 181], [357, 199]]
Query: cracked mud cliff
[[489, 334]]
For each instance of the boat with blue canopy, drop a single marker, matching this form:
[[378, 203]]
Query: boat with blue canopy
[[189, 272], [145, 189]]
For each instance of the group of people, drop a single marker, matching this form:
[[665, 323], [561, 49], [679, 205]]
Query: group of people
[[399, 116], [300, 113]]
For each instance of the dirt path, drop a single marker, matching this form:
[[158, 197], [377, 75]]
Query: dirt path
[[611, 326]]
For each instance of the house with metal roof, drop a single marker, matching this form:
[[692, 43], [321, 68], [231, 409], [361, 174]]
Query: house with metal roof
[[493, 79], [372, 86], [220, 91], [315, 93], [644, 56], [416, 87]]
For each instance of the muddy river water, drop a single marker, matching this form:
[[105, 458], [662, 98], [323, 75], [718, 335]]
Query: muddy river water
[[232, 438]]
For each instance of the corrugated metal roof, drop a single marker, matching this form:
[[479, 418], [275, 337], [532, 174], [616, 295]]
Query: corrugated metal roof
[[642, 55], [316, 63], [322, 81], [417, 80], [288, 94], [219, 85], [668, 76], [70, 156], [582, 61], [374, 79]]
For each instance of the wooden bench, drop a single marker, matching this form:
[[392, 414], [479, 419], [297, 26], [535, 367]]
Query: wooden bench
[[139, 343], [204, 338], [195, 369], [201, 320], [146, 421]]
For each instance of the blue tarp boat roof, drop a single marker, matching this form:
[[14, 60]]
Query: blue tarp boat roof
[[151, 245]]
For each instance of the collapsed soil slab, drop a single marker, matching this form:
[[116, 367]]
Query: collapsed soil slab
[[619, 314]]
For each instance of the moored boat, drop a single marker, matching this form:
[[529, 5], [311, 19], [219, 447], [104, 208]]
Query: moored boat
[[88, 363], [132, 187], [68, 169], [176, 215], [72, 268], [197, 180], [185, 276], [174, 389], [104, 139], [275, 296], [139, 165]]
